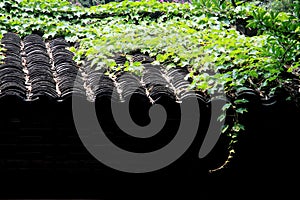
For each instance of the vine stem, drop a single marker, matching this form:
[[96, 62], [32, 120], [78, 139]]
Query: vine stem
[[230, 148], [225, 164]]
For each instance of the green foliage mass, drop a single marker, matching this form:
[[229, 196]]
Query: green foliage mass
[[201, 36]]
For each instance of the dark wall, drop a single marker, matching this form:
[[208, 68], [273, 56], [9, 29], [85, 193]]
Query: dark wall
[[41, 154]]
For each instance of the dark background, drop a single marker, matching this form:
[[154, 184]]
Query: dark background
[[41, 156]]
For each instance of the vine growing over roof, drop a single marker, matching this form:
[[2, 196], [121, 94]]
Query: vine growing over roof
[[204, 36]]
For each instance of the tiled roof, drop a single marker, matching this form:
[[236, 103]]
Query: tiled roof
[[37, 131], [34, 69]]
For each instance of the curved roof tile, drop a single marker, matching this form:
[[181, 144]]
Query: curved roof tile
[[34, 68]]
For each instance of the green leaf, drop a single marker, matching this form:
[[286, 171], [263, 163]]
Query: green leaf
[[240, 101], [237, 127], [226, 106], [72, 49], [221, 117], [241, 110], [253, 73], [136, 64], [282, 16], [225, 128]]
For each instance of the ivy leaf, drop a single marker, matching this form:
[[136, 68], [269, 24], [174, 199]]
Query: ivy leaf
[[136, 64], [72, 49], [71, 38], [176, 59], [253, 73], [237, 127], [225, 128], [240, 101], [52, 33], [221, 117], [282, 16], [241, 110], [226, 106]]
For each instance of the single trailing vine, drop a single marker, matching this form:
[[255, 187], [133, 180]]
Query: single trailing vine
[[203, 36]]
